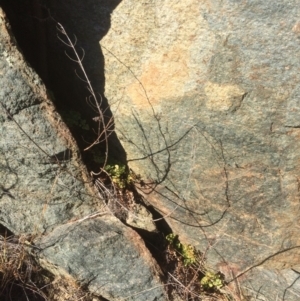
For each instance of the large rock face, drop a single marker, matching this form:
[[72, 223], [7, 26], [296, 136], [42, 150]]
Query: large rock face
[[45, 192], [206, 102]]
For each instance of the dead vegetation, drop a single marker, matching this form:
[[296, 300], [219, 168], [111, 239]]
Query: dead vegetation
[[19, 272], [23, 279]]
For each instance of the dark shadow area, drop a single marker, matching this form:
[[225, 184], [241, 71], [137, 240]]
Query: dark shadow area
[[17, 270], [4, 232], [34, 24], [15, 291]]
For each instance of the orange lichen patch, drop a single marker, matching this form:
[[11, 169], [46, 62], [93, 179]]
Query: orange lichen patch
[[296, 28], [163, 78], [223, 97]]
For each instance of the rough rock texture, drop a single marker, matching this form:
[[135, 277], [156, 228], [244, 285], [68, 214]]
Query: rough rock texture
[[45, 191], [41, 175], [117, 265], [206, 102]]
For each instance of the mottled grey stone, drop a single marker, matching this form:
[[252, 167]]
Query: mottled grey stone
[[104, 257], [206, 103], [41, 174]]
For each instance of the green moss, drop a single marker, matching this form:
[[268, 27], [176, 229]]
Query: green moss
[[119, 174], [212, 281], [186, 251]]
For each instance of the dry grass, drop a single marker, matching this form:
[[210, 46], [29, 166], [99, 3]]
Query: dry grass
[[189, 278], [184, 280], [19, 272], [23, 279]]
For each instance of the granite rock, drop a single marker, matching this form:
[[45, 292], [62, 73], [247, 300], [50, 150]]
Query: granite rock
[[205, 96], [110, 260]]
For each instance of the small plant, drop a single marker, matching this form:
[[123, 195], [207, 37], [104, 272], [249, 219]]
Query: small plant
[[212, 281], [119, 175], [186, 251], [74, 118]]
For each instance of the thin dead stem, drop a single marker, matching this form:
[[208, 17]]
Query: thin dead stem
[[94, 101]]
